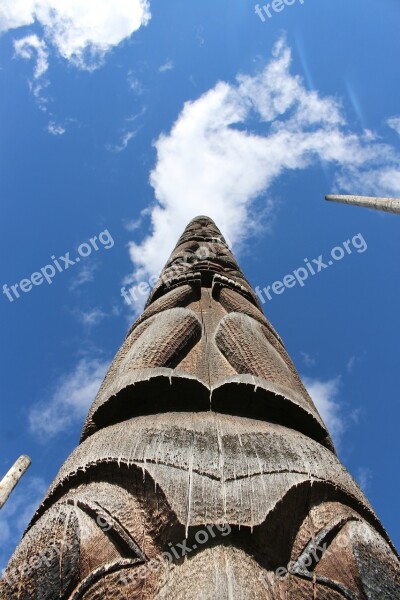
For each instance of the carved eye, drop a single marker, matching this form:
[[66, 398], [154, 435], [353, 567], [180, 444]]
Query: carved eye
[[313, 562], [107, 549], [344, 556], [109, 525]]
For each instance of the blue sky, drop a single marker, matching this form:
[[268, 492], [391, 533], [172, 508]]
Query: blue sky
[[126, 124]]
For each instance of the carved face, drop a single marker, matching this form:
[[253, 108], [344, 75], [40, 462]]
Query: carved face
[[204, 471], [206, 504]]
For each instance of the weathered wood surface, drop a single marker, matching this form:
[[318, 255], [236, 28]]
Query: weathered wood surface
[[12, 478], [203, 438], [210, 343], [391, 205]]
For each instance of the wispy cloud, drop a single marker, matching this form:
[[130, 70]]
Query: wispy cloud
[[364, 477], [394, 123], [167, 66], [132, 224], [350, 363], [17, 512], [92, 317], [55, 129], [84, 275], [128, 132], [27, 48], [70, 401], [81, 32], [135, 84], [135, 224], [325, 397], [309, 361], [199, 36], [123, 143], [212, 162]]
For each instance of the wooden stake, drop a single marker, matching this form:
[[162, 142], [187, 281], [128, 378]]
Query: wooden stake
[[391, 205], [12, 478]]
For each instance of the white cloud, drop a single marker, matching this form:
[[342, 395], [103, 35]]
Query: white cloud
[[324, 395], [91, 318], [309, 361], [85, 275], [350, 363], [55, 129], [28, 46], [82, 32], [16, 13], [17, 513], [123, 143], [212, 162], [199, 36], [381, 181], [135, 84], [128, 132], [394, 123], [364, 477], [133, 224], [70, 401], [167, 66]]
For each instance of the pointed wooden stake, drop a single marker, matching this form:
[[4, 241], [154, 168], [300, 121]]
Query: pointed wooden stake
[[391, 205], [12, 478]]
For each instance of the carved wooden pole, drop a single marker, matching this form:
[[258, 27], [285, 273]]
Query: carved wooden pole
[[204, 469], [391, 205], [12, 478]]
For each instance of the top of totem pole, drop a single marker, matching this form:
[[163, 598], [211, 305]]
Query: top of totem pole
[[202, 254], [203, 343]]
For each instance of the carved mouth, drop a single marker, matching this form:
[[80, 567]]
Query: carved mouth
[[206, 269], [209, 265]]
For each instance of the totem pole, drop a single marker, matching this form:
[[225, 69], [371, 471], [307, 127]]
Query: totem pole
[[204, 470]]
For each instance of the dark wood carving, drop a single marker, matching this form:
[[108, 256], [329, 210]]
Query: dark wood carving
[[204, 469]]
